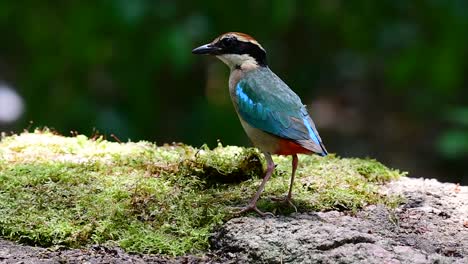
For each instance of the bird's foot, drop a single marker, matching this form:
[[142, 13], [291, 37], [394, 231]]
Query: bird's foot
[[253, 207], [286, 200]]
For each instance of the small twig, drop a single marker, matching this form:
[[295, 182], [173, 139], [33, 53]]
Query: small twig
[[116, 138], [29, 126]]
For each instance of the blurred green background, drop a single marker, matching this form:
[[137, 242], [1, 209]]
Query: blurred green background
[[384, 79]]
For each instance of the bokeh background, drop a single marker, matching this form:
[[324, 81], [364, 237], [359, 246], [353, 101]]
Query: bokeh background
[[383, 79]]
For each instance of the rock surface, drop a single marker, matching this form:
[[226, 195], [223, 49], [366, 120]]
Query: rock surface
[[19, 254], [430, 227]]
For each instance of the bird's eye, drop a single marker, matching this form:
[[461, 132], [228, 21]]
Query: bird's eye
[[228, 42]]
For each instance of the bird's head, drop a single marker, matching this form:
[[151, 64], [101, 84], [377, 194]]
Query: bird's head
[[237, 50]]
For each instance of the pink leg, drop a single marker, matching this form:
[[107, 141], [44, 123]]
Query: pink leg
[[295, 161], [287, 199], [252, 206]]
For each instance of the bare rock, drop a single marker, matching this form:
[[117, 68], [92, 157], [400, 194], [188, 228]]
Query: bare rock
[[427, 228]]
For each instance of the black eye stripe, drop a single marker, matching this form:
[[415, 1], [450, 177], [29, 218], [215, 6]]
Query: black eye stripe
[[231, 45], [229, 41]]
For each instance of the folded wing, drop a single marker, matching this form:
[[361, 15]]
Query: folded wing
[[276, 109]]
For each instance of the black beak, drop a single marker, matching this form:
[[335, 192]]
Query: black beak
[[207, 49]]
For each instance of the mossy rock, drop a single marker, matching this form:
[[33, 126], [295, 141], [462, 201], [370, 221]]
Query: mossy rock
[[76, 191]]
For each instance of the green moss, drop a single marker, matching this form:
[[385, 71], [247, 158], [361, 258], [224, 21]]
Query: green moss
[[76, 191]]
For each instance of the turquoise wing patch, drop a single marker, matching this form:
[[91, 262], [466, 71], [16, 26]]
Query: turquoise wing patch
[[274, 114]]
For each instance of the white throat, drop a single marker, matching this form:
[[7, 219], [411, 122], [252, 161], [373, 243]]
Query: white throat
[[244, 61]]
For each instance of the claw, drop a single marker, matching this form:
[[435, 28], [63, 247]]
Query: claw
[[251, 207], [287, 200]]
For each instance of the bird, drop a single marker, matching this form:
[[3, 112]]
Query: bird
[[272, 115]]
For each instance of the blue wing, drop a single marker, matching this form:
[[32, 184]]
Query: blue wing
[[274, 108]]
